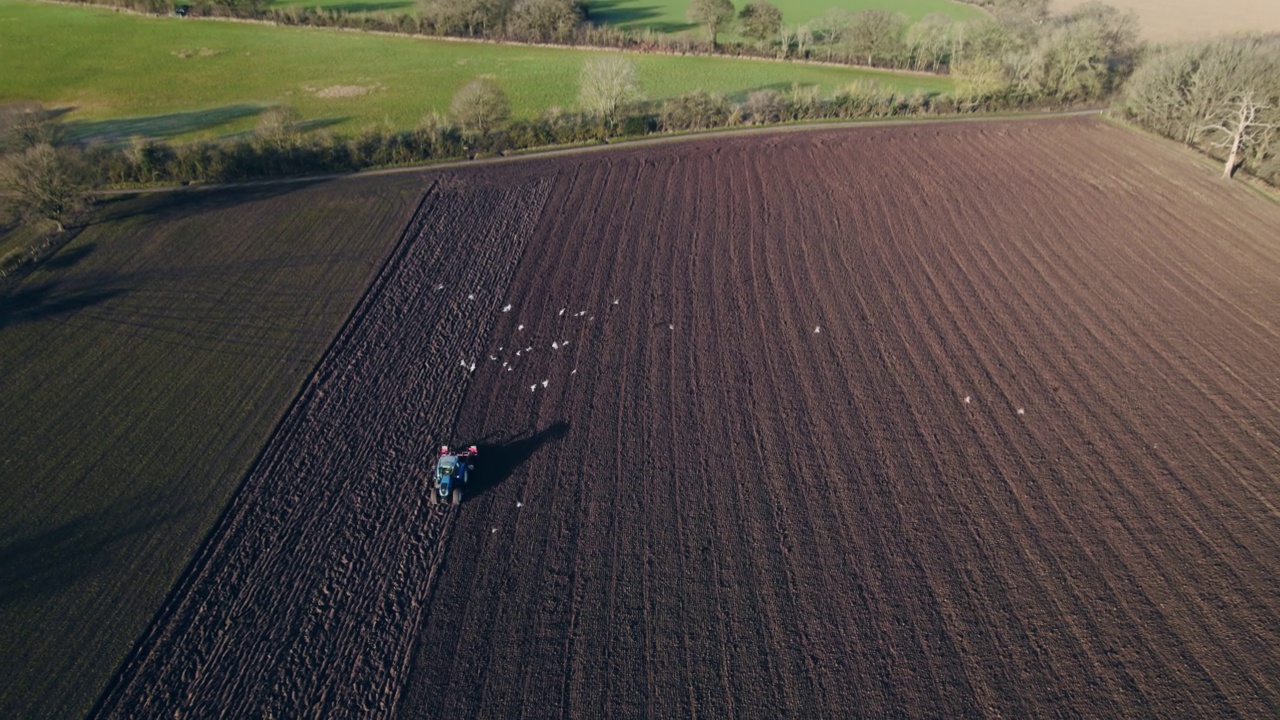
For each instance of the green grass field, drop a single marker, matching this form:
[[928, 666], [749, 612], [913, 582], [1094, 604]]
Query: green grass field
[[144, 367], [125, 75], [670, 16]]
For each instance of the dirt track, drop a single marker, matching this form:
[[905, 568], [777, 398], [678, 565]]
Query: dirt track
[[943, 421]]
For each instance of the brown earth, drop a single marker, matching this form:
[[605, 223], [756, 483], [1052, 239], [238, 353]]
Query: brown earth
[[1175, 20], [932, 421]]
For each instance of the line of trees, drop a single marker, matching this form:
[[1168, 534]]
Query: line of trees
[[1221, 96], [49, 179]]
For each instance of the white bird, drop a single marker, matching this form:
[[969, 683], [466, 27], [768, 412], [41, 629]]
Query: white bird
[[533, 387], [504, 363], [544, 383], [581, 313], [471, 296], [1021, 411], [440, 287], [817, 329], [506, 308], [671, 326], [554, 346], [528, 348], [493, 358], [593, 317], [499, 348], [508, 368], [493, 530], [471, 367], [615, 301], [967, 398], [575, 371], [562, 311], [564, 343], [519, 504], [519, 327], [518, 353]]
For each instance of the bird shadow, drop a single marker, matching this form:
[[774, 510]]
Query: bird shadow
[[498, 461]]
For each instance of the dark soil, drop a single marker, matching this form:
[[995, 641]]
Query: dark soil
[[931, 421]]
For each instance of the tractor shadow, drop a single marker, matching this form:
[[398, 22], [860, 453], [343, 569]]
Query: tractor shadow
[[499, 461]]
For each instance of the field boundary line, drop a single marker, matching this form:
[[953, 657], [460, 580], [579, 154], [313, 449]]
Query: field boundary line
[[605, 146], [207, 546]]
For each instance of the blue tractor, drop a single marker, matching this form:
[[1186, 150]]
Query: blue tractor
[[453, 471]]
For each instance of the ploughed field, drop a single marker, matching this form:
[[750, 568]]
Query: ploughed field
[[942, 420], [143, 368]]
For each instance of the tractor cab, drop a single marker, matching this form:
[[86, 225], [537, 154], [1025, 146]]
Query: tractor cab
[[453, 470], [446, 468]]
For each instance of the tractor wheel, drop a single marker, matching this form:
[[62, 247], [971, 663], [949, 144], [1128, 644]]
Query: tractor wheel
[[457, 497], [435, 496]]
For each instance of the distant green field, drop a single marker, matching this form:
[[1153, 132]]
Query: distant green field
[[125, 75], [669, 15]]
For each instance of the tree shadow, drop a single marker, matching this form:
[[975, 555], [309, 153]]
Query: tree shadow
[[30, 304], [498, 461], [70, 258], [55, 557], [625, 14], [167, 206], [363, 7], [322, 123], [121, 130]]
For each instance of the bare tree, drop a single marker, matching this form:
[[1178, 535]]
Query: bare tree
[[608, 83], [1222, 95], [930, 41], [804, 38], [544, 20], [1237, 127], [978, 80], [760, 20], [876, 34], [27, 124], [479, 106], [831, 28], [279, 126], [468, 17], [46, 182], [765, 106], [786, 36], [714, 15]]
